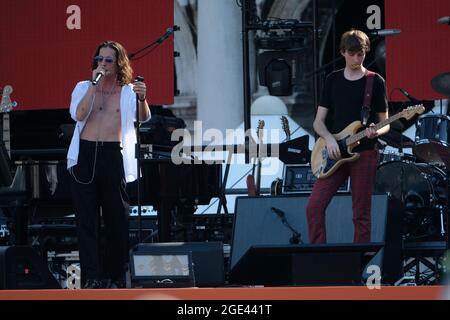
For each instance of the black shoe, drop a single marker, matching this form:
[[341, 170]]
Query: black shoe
[[93, 284]]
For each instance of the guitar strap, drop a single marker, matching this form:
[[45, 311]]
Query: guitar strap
[[365, 111]]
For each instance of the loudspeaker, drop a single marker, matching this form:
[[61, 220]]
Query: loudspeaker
[[325, 264], [256, 224], [207, 259], [22, 268]]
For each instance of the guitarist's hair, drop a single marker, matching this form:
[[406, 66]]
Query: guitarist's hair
[[354, 41]]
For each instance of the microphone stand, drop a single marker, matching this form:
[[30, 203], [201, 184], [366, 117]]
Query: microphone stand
[[154, 44], [296, 236], [138, 161]]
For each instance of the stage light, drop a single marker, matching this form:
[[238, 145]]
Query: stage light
[[279, 71], [283, 53]]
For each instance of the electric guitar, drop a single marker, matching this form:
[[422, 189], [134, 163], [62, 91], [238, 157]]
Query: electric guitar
[[322, 166], [277, 185], [286, 128], [6, 106], [252, 186]]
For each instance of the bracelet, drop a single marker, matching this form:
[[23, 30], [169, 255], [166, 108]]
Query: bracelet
[[142, 99]]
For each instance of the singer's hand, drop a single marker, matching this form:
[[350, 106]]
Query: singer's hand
[[99, 69], [140, 88]]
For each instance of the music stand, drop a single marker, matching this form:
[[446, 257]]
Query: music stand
[[324, 264]]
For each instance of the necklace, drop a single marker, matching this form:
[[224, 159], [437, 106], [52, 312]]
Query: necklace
[[108, 93]]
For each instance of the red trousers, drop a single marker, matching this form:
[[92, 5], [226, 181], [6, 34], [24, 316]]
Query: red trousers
[[362, 175]]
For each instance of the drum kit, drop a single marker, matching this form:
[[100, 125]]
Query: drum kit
[[420, 181]]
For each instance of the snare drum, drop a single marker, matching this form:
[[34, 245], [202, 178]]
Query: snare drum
[[432, 138]]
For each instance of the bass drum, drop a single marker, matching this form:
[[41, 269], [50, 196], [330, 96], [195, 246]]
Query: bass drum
[[418, 186]]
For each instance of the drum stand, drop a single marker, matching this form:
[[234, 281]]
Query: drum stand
[[423, 261], [424, 268]]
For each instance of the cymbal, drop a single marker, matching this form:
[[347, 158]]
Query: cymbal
[[396, 139], [441, 83]]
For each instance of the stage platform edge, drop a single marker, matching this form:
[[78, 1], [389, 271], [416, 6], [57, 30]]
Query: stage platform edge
[[236, 293]]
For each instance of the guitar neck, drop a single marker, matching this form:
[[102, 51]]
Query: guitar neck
[[360, 135], [5, 132]]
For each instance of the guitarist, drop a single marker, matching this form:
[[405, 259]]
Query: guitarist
[[342, 100]]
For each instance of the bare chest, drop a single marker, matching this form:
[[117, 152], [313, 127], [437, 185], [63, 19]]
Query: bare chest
[[107, 103], [104, 121]]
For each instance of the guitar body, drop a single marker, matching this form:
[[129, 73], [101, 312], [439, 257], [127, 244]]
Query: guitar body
[[322, 166]]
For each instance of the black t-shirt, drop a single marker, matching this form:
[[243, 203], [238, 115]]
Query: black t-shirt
[[344, 99]]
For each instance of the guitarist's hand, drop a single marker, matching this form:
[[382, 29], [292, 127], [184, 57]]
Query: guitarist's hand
[[333, 149], [371, 133]]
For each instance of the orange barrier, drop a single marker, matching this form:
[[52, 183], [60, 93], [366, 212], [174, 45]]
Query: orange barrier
[[243, 293]]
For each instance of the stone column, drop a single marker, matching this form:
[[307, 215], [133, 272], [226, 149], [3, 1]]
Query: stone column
[[220, 84]]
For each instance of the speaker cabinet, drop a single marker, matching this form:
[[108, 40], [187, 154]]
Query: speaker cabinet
[[257, 225], [22, 268], [324, 264]]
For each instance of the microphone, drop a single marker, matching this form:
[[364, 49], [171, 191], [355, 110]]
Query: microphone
[[278, 212], [169, 31], [97, 78], [444, 20], [410, 97], [385, 32]]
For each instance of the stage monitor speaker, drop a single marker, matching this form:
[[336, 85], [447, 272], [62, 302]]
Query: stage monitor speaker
[[256, 224], [207, 260], [22, 268], [327, 264]]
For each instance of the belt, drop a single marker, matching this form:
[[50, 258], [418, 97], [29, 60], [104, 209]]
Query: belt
[[89, 143]]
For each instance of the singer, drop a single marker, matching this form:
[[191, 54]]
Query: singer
[[344, 94], [101, 160]]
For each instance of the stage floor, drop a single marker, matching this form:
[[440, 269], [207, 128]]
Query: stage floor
[[241, 293]]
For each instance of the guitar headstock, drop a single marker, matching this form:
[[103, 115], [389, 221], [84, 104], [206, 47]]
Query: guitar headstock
[[259, 130], [6, 104], [411, 111], [285, 126]]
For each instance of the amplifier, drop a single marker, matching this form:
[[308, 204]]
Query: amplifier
[[205, 227], [213, 227], [149, 225], [298, 179]]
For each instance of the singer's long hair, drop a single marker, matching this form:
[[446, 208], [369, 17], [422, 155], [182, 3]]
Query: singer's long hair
[[124, 69]]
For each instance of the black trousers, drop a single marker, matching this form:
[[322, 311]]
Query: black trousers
[[98, 182]]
